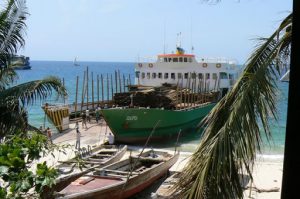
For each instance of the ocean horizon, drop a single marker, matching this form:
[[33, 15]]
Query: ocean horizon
[[66, 71]]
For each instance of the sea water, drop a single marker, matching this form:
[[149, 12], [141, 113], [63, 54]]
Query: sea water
[[68, 72]]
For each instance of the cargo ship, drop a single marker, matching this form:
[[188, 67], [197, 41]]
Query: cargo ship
[[171, 94]]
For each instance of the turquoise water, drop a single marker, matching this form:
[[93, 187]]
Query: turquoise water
[[67, 71]]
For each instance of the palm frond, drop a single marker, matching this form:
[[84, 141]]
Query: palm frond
[[27, 93], [7, 76], [232, 135]]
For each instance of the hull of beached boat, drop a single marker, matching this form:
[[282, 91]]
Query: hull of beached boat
[[116, 187], [95, 160], [134, 125]]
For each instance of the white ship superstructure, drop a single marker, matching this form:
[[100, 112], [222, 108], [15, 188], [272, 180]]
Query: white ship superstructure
[[182, 69]]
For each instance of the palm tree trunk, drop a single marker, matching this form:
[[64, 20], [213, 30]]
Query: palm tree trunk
[[291, 164]]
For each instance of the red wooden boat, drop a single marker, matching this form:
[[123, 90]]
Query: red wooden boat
[[98, 157], [122, 179]]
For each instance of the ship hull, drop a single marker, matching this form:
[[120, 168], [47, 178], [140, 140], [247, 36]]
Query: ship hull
[[134, 125]]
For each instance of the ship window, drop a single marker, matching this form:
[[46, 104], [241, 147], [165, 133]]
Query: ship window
[[172, 75], [193, 75], [200, 75], [186, 75], [170, 59], [179, 75], [185, 59], [207, 75], [230, 76], [166, 59], [148, 75], [137, 74], [214, 76], [153, 75], [143, 75], [166, 75], [190, 59], [175, 59], [223, 75], [180, 59], [161, 59], [159, 75]]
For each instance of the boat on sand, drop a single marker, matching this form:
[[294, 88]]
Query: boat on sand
[[121, 179], [86, 161]]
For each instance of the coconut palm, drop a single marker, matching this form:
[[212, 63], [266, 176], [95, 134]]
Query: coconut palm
[[232, 136], [13, 99]]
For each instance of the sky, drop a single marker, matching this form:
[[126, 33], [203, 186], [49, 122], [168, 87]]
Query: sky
[[128, 30]]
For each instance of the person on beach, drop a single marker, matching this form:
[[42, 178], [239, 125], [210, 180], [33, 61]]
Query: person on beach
[[88, 116], [77, 145], [83, 117], [49, 135], [111, 139], [97, 114]]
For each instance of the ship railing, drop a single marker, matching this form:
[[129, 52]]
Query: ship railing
[[217, 60], [146, 60]]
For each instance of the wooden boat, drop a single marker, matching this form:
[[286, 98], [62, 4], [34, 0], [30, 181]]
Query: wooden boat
[[166, 191], [96, 158], [122, 179]]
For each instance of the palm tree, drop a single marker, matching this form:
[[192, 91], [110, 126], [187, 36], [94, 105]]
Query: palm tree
[[13, 99], [232, 136]]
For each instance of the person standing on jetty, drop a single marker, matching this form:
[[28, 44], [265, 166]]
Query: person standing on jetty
[[98, 114], [83, 117], [77, 145], [87, 112], [49, 135]]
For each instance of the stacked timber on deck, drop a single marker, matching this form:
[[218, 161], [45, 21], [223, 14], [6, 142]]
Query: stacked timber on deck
[[167, 97]]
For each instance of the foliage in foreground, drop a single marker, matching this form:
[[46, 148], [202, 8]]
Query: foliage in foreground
[[17, 156], [20, 171], [232, 136]]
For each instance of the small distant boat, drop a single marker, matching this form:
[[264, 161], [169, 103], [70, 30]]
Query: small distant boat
[[75, 62], [96, 158], [122, 179], [20, 62]]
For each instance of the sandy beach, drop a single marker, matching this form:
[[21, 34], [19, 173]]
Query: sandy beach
[[267, 175]]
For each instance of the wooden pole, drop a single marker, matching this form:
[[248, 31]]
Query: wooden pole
[[63, 83], [98, 98], [120, 81], [77, 79], [124, 86], [83, 91], [112, 86], [93, 91], [129, 79], [102, 89], [107, 86], [116, 80], [87, 88]]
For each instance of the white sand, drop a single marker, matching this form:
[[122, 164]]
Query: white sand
[[267, 174]]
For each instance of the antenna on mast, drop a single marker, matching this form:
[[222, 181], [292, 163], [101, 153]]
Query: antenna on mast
[[165, 37], [178, 45], [192, 47]]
